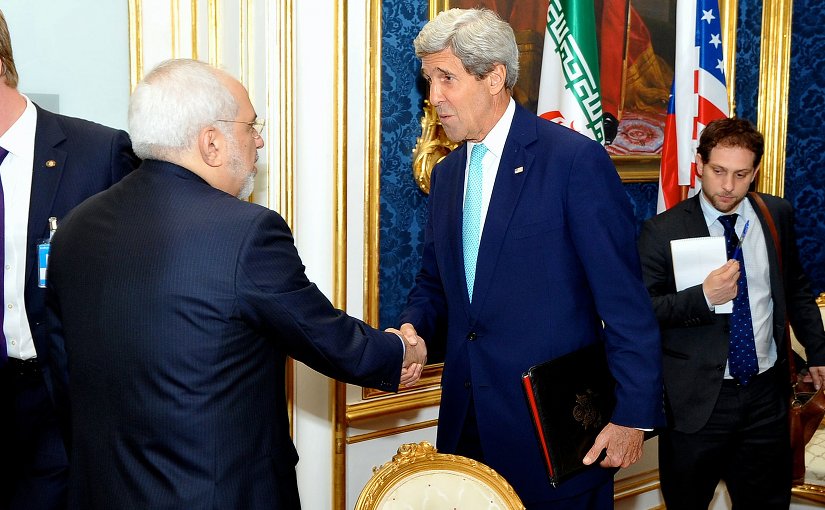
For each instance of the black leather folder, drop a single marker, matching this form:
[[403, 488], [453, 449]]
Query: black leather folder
[[571, 398]]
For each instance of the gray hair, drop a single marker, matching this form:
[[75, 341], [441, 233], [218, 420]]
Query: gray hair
[[478, 37], [173, 103]]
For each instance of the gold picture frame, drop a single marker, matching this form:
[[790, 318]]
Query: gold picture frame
[[433, 144]]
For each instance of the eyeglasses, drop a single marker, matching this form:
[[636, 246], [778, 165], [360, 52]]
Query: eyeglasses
[[256, 125]]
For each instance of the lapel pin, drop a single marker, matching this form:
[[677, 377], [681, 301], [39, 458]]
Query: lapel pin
[[519, 170], [51, 163]]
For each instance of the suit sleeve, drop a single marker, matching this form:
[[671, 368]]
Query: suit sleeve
[[803, 313], [58, 361], [426, 303], [278, 300], [123, 159], [602, 228], [684, 308]]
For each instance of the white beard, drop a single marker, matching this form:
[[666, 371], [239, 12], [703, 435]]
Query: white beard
[[236, 167], [248, 187]]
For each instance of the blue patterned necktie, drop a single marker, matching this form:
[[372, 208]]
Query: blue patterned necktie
[[3, 353], [742, 350], [471, 224]]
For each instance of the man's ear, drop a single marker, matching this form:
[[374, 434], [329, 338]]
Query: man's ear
[[756, 172], [700, 165], [496, 78], [211, 146]]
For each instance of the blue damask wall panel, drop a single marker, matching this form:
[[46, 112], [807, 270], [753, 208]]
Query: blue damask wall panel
[[643, 197], [749, 30], [805, 160], [402, 204]]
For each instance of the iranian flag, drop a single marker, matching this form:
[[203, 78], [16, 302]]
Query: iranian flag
[[569, 87]]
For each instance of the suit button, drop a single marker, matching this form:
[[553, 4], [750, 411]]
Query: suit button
[[471, 337], [726, 329], [468, 384], [720, 368]]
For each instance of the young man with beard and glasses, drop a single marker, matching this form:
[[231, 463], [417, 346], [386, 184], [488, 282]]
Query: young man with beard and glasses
[[726, 374], [179, 304]]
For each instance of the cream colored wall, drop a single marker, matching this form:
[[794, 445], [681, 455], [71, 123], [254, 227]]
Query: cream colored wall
[[77, 50]]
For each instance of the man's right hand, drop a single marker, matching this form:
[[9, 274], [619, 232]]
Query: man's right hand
[[720, 285], [415, 355]]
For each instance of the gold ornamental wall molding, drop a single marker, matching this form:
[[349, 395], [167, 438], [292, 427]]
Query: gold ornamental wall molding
[[772, 102], [338, 390], [393, 431], [135, 43]]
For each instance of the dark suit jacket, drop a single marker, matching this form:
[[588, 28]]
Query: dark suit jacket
[[695, 339], [179, 305], [73, 160], [556, 258]]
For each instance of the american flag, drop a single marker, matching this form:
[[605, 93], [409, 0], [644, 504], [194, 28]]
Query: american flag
[[698, 96]]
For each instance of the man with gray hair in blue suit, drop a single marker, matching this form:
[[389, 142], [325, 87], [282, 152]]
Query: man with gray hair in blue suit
[[529, 254]]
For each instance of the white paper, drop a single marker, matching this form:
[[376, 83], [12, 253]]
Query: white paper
[[694, 259]]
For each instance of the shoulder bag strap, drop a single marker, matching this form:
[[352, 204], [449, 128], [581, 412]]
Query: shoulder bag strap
[[772, 227]]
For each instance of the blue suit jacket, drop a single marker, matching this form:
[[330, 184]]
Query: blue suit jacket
[[73, 160], [179, 304], [557, 257]]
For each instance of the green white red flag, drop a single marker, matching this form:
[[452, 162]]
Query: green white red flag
[[569, 88]]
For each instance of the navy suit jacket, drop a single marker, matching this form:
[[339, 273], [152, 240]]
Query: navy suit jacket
[[695, 339], [73, 160], [179, 305], [557, 257]]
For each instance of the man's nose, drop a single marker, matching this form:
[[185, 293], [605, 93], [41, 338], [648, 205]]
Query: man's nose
[[436, 97]]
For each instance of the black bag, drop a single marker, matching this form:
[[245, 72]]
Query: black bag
[[571, 399]]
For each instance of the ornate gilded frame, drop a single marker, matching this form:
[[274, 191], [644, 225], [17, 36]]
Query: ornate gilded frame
[[433, 145]]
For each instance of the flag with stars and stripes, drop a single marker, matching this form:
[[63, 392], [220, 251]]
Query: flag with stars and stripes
[[698, 96]]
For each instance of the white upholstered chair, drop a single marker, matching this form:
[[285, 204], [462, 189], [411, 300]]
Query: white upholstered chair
[[420, 478]]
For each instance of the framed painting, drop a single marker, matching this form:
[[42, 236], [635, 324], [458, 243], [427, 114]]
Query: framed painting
[[636, 46]]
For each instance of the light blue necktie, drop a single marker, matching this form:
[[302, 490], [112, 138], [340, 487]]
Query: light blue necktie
[[471, 225], [742, 360]]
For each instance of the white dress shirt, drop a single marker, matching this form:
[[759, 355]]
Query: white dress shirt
[[16, 172], [757, 270], [494, 141]]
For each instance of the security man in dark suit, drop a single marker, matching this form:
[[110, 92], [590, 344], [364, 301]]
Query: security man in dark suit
[[49, 163]]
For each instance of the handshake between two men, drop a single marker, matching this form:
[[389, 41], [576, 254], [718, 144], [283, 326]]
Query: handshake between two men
[[415, 354]]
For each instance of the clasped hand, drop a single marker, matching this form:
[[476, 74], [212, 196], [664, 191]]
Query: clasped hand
[[415, 355], [720, 285]]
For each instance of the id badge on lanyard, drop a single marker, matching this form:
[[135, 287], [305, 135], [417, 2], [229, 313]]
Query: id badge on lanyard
[[43, 249]]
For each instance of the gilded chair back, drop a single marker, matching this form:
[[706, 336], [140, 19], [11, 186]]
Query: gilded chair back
[[420, 478]]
